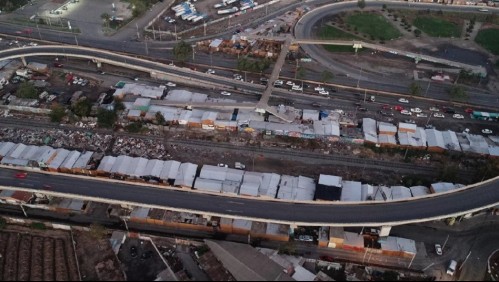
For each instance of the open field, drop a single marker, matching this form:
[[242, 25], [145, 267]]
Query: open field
[[489, 39], [330, 32], [36, 255], [437, 27], [373, 25]]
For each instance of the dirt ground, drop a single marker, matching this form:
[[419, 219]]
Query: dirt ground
[[29, 254], [145, 266], [96, 258]]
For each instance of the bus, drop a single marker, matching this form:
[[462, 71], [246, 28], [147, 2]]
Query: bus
[[485, 116]]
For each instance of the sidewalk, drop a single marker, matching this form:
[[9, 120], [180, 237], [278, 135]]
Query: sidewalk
[[465, 224]]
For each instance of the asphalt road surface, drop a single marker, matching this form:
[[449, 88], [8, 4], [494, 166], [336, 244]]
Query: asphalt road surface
[[311, 214]]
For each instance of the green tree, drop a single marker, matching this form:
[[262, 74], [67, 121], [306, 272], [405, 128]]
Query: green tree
[[3, 223], [97, 231], [134, 127], [448, 173], [458, 93], [57, 113], [415, 89], [326, 76], [105, 17], [245, 64], [82, 108], [106, 118], [182, 51], [361, 4], [417, 32], [139, 7], [384, 6], [27, 90], [300, 73], [160, 119], [118, 105]]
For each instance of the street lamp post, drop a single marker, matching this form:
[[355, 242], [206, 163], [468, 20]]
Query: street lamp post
[[358, 80]]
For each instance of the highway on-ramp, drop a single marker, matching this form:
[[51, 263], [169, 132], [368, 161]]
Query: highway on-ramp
[[367, 214]]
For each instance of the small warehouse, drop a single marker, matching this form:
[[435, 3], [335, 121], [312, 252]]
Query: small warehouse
[[435, 140], [387, 128], [369, 130], [451, 141], [328, 188], [351, 191], [186, 174]]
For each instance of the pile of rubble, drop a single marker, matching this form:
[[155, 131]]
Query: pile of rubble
[[72, 140], [134, 147]]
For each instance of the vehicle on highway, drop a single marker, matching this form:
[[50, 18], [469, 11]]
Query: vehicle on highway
[[171, 84], [398, 108], [290, 83], [458, 116], [416, 110], [438, 115], [406, 112], [421, 115], [264, 79], [386, 107], [222, 165], [438, 249], [486, 131], [136, 78], [278, 83], [319, 88], [33, 44], [452, 267], [21, 175], [102, 72], [468, 110], [317, 105], [362, 109], [297, 88], [434, 109], [133, 251], [210, 71], [410, 121], [225, 93], [58, 65], [373, 99], [403, 100], [239, 165], [324, 92]]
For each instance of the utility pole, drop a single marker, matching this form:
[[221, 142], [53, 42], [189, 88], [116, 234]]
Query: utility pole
[[138, 34], [175, 26], [153, 33], [466, 259], [159, 29], [76, 40], [39, 34], [427, 88], [445, 243], [147, 49], [411, 261]]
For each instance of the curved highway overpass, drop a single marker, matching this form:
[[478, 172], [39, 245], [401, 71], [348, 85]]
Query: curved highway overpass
[[432, 207]]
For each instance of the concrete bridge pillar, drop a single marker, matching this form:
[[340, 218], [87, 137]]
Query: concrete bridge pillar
[[24, 61], [385, 231]]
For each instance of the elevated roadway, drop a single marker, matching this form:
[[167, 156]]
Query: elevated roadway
[[433, 207]]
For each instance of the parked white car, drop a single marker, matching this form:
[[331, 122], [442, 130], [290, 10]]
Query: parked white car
[[324, 92], [458, 116], [225, 93], [403, 100], [210, 71], [421, 115], [319, 88], [297, 88], [290, 83], [171, 84], [486, 131], [406, 112], [438, 115], [416, 110], [278, 82], [438, 249], [433, 109]]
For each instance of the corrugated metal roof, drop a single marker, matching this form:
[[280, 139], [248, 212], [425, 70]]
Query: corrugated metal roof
[[249, 189], [107, 163], [61, 155], [310, 115], [450, 140], [235, 175], [400, 192], [16, 151], [326, 128], [83, 160], [351, 191], [418, 191], [5, 148], [369, 130], [270, 185], [186, 174], [29, 152], [442, 187], [435, 138], [70, 160], [213, 172], [209, 185], [154, 168], [46, 154], [386, 127], [137, 168], [209, 116], [407, 126], [14, 161], [396, 244], [140, 212], [387, 139], [170, 170]]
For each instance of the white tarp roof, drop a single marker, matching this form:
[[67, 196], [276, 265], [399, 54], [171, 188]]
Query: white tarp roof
[[70, 160], [450, 140], [270, 185], [369, 130], [435, 138], [154, 168], [83, 160], [351, 191], [107, 163], [330, 180], [171, 169], [186, 174], [213, 172]]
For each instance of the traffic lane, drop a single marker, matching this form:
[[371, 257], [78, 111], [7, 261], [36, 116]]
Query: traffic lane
[[384, 212]]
